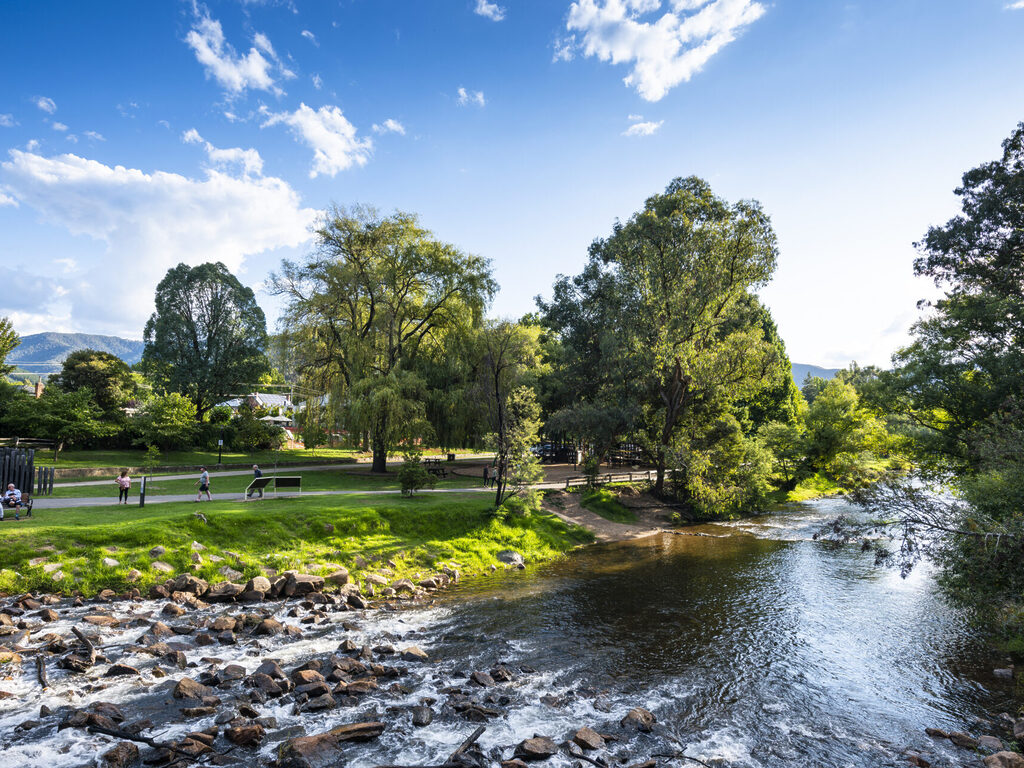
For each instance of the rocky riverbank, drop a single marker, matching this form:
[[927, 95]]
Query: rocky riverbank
[[296, 671]]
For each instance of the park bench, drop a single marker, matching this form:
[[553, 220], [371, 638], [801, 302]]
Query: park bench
[[26, 505], [278, 481]]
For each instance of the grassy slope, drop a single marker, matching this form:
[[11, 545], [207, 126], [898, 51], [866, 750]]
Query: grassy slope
[[292, 533], [605, 502]]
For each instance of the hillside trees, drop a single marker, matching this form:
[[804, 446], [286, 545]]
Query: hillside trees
[[106, 376], [207, 337], [658, 326], [375, 295]]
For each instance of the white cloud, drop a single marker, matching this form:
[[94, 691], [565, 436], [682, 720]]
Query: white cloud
[[7, 121], [46, 104], [94, 136], [565, 48], [32, 145], [1015, 6], [389, 126], [643, 129], [6, 200], [72, 138], [247, 160], [488, 10], [329, 134], [318, 82], [257, 70], [149, 222], [59, 126], [471, 97], [635, 118], [666, 50], [310, 36]]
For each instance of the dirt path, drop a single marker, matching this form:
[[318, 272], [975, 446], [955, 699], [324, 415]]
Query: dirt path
[[567, 507]]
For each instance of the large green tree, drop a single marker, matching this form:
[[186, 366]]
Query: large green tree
[[106, 376], [376, 294], [9, 340], [207, 337], [654, 323]]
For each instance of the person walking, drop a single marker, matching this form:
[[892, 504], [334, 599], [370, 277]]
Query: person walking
[[123, 484], [487, 470], [256, 474], [204, 485], [11, 500]]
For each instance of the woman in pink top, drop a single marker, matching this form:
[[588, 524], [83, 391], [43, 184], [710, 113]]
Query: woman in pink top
[[123, 484]]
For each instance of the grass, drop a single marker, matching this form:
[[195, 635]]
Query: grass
[[321, 480], [813, 487], [604, 502], [302, 533], [134, 457]]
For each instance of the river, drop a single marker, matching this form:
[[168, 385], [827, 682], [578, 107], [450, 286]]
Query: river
[[752, 644]]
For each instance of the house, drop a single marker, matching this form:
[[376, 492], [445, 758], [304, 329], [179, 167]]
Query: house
[[264, 401]]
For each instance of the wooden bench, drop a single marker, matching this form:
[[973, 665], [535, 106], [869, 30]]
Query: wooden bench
[[26, 505]]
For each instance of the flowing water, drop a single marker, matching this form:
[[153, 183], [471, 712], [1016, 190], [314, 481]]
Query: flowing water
[[753, 645]]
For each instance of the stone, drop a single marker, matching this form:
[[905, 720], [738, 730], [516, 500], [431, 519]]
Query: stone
[[172, 609], [990, 743], [133, 575], [537, 748], [259, 584], [224, 591], [482, 679], [588, 738], [157, 551], [1018, 730], [121, 756], [1004, 760], [267, 684], [190, 584], [318, 703], [37, 561], [110, 562], [414, 653], [100, 620], [638, 718], [121, 670], [964, 740], [937, 733], [403, 585], [51, 567], [422, 716], [304, 676], [47, 615], [325, 749], [229, 573], [245, 735], [357, 601], [302, 584], [338, 577], [187, 688], [271, 668], [1005, 674], [515, 762], [269, 627], [510, 557], [159, 565], [197, 547], [376, 579]]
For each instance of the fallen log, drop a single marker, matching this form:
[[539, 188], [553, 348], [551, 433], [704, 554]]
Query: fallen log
[[90, 649], [450, 762], [41, 672]]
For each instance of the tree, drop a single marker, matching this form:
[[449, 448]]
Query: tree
[[376, 294], [654, 320], [207, 336], [168, 421], [67, 417], [107, 376], [9, 340]]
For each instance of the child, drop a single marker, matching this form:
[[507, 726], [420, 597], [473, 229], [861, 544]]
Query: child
[[123, 484]]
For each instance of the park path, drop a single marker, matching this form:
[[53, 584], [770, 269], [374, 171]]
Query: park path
[[567, 507]]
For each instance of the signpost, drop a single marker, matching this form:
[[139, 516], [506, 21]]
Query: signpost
[[142, 492]]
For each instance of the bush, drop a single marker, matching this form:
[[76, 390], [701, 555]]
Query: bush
[[168, 421], [412, 476]]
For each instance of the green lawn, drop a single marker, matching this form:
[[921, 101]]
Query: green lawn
[[302, 533], [356, 479], [605, 502]]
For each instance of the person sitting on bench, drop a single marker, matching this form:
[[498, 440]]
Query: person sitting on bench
[[11, 500]]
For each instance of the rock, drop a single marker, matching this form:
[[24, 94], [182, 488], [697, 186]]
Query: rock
[[259, 584], [159, 565], [1018, 730], [357, 601], [937, 733], [305, 676], [482, 679], [267, 684], [110, 562], [187, 688], [47, 615], [271, 669], [964, 740], [121, 756], [224, 591], [245, 735], [537, 748], [1006, 674], [510, 557], [639, 719], [588, 738], [230, 573], [37, 561], [121, 670], [338, 577], [157, 551], [515, 762], [51, 567], [1004, 760], [422, 716], [269, 627], [376, 579], [197, 547], [324, 749], [302, 584], [321, 702], [990, 743], [172, 609], [414, 653], [99, 620], [190, 584], [58, 576], [133, 575], [403, 585]]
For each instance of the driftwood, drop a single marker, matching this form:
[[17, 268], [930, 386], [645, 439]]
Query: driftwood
[[681, 756], [450, 762], [128, 736], [90, 649], [41, 672]]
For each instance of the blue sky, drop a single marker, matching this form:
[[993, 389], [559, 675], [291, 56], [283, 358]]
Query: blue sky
[[137, 135]]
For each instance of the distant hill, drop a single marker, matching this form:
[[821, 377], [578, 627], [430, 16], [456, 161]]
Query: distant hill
[[43, 353], [800, 371]]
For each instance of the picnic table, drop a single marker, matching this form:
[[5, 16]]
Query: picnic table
[[433, 466]]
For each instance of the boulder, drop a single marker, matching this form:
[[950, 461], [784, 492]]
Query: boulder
[[121, 756], [269, 627], [1004, 760], [121, 670], [638, 718], [187, 688], [339, 577], [110, 562], [224, 591], [159, 565], [245, 735], [990, 743], [482, 679], [414, 653], [964, 740], [537, 748], [301, 584], [377, 579], [325, 749], [259, 584], [422, 716], [190, 584], [403, 585], [230, 573], [588, 738], [510, 557], [1018, 730], [197, 547], [133, 575], [157, 551]]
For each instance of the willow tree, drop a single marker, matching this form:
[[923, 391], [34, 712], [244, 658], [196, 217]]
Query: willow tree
[[654, 325], [375, 294]]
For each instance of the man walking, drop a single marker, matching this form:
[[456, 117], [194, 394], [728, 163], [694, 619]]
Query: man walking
[[256, 475], [204, 485]]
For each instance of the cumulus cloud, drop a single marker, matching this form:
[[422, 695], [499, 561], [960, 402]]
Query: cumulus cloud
[[149, 222], [59, 126], [7, 121], [643, 129], [565, 49], [259, 69], [389, 126], [247, 160], [471, 97], [664, 48], [488, 10], [46, 104], [310, 36], [329, 134]]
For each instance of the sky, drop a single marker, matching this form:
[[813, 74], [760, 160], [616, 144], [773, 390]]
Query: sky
[[135, 136]]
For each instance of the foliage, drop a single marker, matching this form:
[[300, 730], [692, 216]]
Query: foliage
[[413, 476], [517, 466], [67, 417], [167, 421], [376, 294], [106, 376], [207, 336], [251, 434], [812, 387], [604, 502], [151, 459], [9, 340], [786, 446]]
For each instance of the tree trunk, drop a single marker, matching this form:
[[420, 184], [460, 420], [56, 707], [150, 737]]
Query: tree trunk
[[380, 446]]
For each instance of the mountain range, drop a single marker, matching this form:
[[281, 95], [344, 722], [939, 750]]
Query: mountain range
[[43, 353]]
